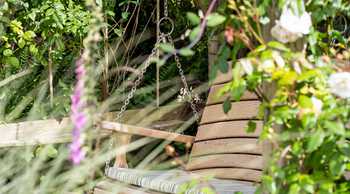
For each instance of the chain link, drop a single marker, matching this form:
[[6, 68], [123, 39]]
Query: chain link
[[132, 93], [184, 81], [166, 12]]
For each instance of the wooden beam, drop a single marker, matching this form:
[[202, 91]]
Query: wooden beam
[[135, 130]]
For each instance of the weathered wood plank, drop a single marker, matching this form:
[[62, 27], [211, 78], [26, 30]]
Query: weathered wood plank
[[226, 129], [54, 131], [8, 133], [232, 173], [115, 187], [229, 145], [239, 110], [226, 160], [44, 131], [129, 129], [213, 97]]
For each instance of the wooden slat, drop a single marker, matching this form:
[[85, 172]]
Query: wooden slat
[[226, 160], [135, 130], [229, 145], [232, 173], [44, 131], [115, 187], [35, 132], [213, 97], [8, 133], [226, 129], [239, 110]]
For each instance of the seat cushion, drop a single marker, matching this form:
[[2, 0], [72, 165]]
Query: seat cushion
[[174, 181]]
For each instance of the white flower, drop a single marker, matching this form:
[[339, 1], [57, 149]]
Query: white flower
[[290, 27], [316, 105], [267, 66], [294, 23], [339, 84], [247, 66], [278, 59]]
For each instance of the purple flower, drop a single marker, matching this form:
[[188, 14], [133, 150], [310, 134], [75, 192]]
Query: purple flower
[[78, 116]]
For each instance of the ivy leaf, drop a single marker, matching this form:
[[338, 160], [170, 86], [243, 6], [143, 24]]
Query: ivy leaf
[[215, 19], [227, 105], [167, 47], [251, 127], [315, 140], [186, 52], [194, 19]]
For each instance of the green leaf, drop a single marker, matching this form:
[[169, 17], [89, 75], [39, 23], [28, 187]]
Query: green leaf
[[166, 47], [251, 127], [288, 78], [215, 19], [278, 45], [194, 33], [294, 188], [52, 152], [335, 127], [13, 61], [305, 102], [315, 140], [227, 105], [223, 66], [337, 166], [7, 52], [125, 15], [238, 88], [21, 43], [207, 190], [194, 19], [33, 49], [186, 52], [29, 35]]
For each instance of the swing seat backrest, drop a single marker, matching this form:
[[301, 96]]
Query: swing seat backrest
[[222, 146]]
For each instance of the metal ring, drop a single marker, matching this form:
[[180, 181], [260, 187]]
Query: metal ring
[[164, 19]]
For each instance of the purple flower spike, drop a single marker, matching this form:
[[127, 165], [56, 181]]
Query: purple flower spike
[[78, 117]]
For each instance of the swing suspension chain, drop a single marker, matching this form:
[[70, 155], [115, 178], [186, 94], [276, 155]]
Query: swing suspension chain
[[184, 81], [166, 12], [163, 37], [132, 93]]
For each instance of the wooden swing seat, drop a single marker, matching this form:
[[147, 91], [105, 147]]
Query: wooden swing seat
[[221, 149]]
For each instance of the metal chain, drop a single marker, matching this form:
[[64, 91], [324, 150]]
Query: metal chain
[[166, 12], [132, 93], [184, 81]]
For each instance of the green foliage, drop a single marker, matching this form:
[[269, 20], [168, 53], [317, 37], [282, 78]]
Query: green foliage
[[305, 122]]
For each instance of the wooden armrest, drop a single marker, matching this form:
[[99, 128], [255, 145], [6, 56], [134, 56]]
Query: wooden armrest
[[135, 130]]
